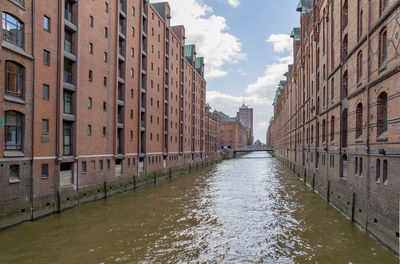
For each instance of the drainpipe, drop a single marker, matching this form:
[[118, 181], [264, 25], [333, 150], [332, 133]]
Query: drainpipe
[[55, 187], [368, 114], [33, 109], [326, 91]]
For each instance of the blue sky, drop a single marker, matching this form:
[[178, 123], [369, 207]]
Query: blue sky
[[232, 36]]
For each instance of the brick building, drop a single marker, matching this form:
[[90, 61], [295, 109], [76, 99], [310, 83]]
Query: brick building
[[232, 133], [211, 126], [96, 92], [245, 115], [337, 117]]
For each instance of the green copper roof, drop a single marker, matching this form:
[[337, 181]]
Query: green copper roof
[[199, 63], [304, 6], [188, 51], [295, 34]]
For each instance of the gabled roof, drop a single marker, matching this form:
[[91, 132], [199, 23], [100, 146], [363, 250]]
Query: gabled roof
[[305, 6], [295, 33]]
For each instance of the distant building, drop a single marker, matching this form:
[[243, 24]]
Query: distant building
[[245, 116], [232, 133]]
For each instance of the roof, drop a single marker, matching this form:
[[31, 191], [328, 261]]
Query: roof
[[305, 6], [295, 33]]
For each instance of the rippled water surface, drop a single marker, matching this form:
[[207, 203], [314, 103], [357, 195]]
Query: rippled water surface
[[248, 210]]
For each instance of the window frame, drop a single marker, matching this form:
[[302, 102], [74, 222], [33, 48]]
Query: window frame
[[18, 25], [15, 130]]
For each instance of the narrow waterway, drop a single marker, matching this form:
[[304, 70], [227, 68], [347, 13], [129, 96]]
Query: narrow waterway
[[247, 210]]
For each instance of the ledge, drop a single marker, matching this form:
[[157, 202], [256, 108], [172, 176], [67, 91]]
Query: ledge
[[14, 99], [13, 181], [16, 49], [14, 153]]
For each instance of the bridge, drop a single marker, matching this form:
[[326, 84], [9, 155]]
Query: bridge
[[253, 149]]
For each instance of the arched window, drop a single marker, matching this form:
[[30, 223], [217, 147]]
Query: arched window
[[360, 24], [13, 29], [359, 118], [332, 89], [359, 66], [382, 5], [345, 17], [345, 47], [383, 46], [14, 79], [13, 131], [345, 85], [381, 114], [344, 128], [332, 128], [323, 130]]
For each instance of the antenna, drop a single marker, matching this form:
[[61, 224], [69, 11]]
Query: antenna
[[243, 98]]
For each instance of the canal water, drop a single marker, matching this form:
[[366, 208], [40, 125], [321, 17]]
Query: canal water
[[247, 210]]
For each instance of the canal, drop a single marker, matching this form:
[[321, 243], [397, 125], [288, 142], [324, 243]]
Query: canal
[[247, 210]]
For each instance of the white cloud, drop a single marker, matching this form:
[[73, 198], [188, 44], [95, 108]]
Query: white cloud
[[210, 34], [259, 95], [234, 3], [282, 42]]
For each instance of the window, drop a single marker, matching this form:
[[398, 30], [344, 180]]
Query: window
[[356, 166], [345, 17], [360, 24], [345, 85], [385, 171], [131, 114], [132, 93], [108, 164], [67, 139], [84, 167], [361, 166], [101, 165], [382, 5], [45, 126], [90, 75], [133, 31], [46, 23], [359, 117], [89, 130], [132, 72], [104, 131], [383, 46], [323, 130], [131, 132], [13, 131], [133, 11], [14, 79], [46, 92], [132, 52], [105, 57], [106, 7], [381, 114], [104, 106], [90, 48], [13, 30], [68, 11], [68, 41], [378, 170], [91, 21], [344, 132], [67, 98], [105, 81], [14, 172], [359, 66], [90, 103], [106, 32], [45, 170], [46, 57]]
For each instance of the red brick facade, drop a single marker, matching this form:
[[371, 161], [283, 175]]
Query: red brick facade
[[337, 119], [100, 93]]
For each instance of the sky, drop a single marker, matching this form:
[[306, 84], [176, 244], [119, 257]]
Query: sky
[[246, 47]]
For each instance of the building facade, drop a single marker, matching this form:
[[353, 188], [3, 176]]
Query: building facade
[[211, 126], [95, 93], [245, 115], [337, 119]]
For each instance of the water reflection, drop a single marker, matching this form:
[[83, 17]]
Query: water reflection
[[248, 210]]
